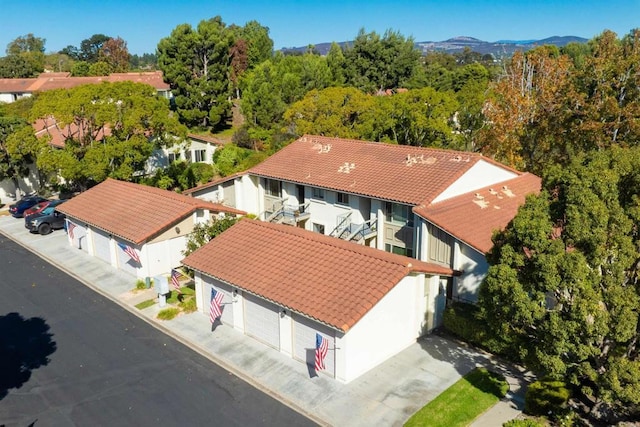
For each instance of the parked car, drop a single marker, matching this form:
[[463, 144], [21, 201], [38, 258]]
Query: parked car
[[40, 207], [17, 209], [46, 221]]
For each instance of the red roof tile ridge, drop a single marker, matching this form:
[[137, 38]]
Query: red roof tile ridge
[[313, 138], [213, 182]]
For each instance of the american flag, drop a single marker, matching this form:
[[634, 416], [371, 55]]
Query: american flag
[[175, 279], [322, 345], [214, 309], [70, 227], [130, 251]]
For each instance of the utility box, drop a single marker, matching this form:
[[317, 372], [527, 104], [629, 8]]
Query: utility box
[[161, 285]]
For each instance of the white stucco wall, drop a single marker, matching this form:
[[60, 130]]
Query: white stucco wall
[[480, 175], [389, 327], [474, 268]]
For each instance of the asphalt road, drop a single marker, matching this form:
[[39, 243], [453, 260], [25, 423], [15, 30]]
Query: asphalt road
[[70, 357]]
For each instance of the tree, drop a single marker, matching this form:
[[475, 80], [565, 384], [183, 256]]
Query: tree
[[196, 64], [375, 63], [259, 44], [336, 63], [14, 162], [115, 127], [203, 233], [25, 57], [334, 111], [115, 53], [528, 111], [420, 117], [279, 82], [562, 291], [90, 48], [610, 85]]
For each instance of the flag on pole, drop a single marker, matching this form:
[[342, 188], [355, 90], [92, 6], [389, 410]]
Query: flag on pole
[[175, 279], [130, 251], [70, 227], [215, 310], [322, 345]]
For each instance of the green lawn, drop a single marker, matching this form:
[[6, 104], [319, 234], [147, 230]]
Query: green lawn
[[461, 403]]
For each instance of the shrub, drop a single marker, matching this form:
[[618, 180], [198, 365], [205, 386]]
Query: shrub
[[141, 284], [188, 305], [461, 319], [546, 397], [168, 313]]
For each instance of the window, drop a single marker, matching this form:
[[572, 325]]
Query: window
[[399, 214], [398, 250], [318, 193], [172, 157], [440, 244], [273, 187], [342, 199], [199, 155], [318, 228]]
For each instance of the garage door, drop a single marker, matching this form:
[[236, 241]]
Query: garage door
[[101, 245], [304, 343], [262, 321], [125, 263], [227, 300]]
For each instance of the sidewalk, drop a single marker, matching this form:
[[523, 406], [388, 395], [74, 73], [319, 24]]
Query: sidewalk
[[387, 395]]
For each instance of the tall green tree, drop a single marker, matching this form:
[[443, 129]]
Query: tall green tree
[[196, 64], [113, 129], [90, 48], [375, 63], [279, 82], [562, 292]]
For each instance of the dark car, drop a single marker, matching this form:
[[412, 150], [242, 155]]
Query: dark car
[[46, 221], [17, 209], [40, 207]]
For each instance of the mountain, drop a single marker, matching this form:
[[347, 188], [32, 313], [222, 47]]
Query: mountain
[[499, 48]]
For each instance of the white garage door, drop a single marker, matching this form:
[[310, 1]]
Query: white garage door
[[227, 300], [262, 321], [101, 245], [304, 343]]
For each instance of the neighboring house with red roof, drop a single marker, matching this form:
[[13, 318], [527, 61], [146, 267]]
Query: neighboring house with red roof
[[282, 285], [151, 223], [438, 206], [13, 89]]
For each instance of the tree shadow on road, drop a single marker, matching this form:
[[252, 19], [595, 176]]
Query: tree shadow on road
[[25, 345]]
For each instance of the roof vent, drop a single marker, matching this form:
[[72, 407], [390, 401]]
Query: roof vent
[[507, 191], [346, 167], [322, 148]]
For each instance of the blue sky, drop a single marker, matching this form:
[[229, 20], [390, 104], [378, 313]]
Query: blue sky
[[142, 23]]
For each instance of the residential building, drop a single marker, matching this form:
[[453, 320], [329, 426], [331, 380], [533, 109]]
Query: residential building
[[437, 206], [283, 285], [136, 228]]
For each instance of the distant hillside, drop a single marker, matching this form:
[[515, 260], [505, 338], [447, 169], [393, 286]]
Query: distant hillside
[[457, 44]]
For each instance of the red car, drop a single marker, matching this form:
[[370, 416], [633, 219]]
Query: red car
[[36, 209]]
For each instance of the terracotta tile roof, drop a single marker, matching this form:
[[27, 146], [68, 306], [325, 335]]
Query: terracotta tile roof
[[331, 280], [58, 135], [205, 138], [213, 183], [472, 217], [383, 171], [16, 85], [49, 81], [134, 212]]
